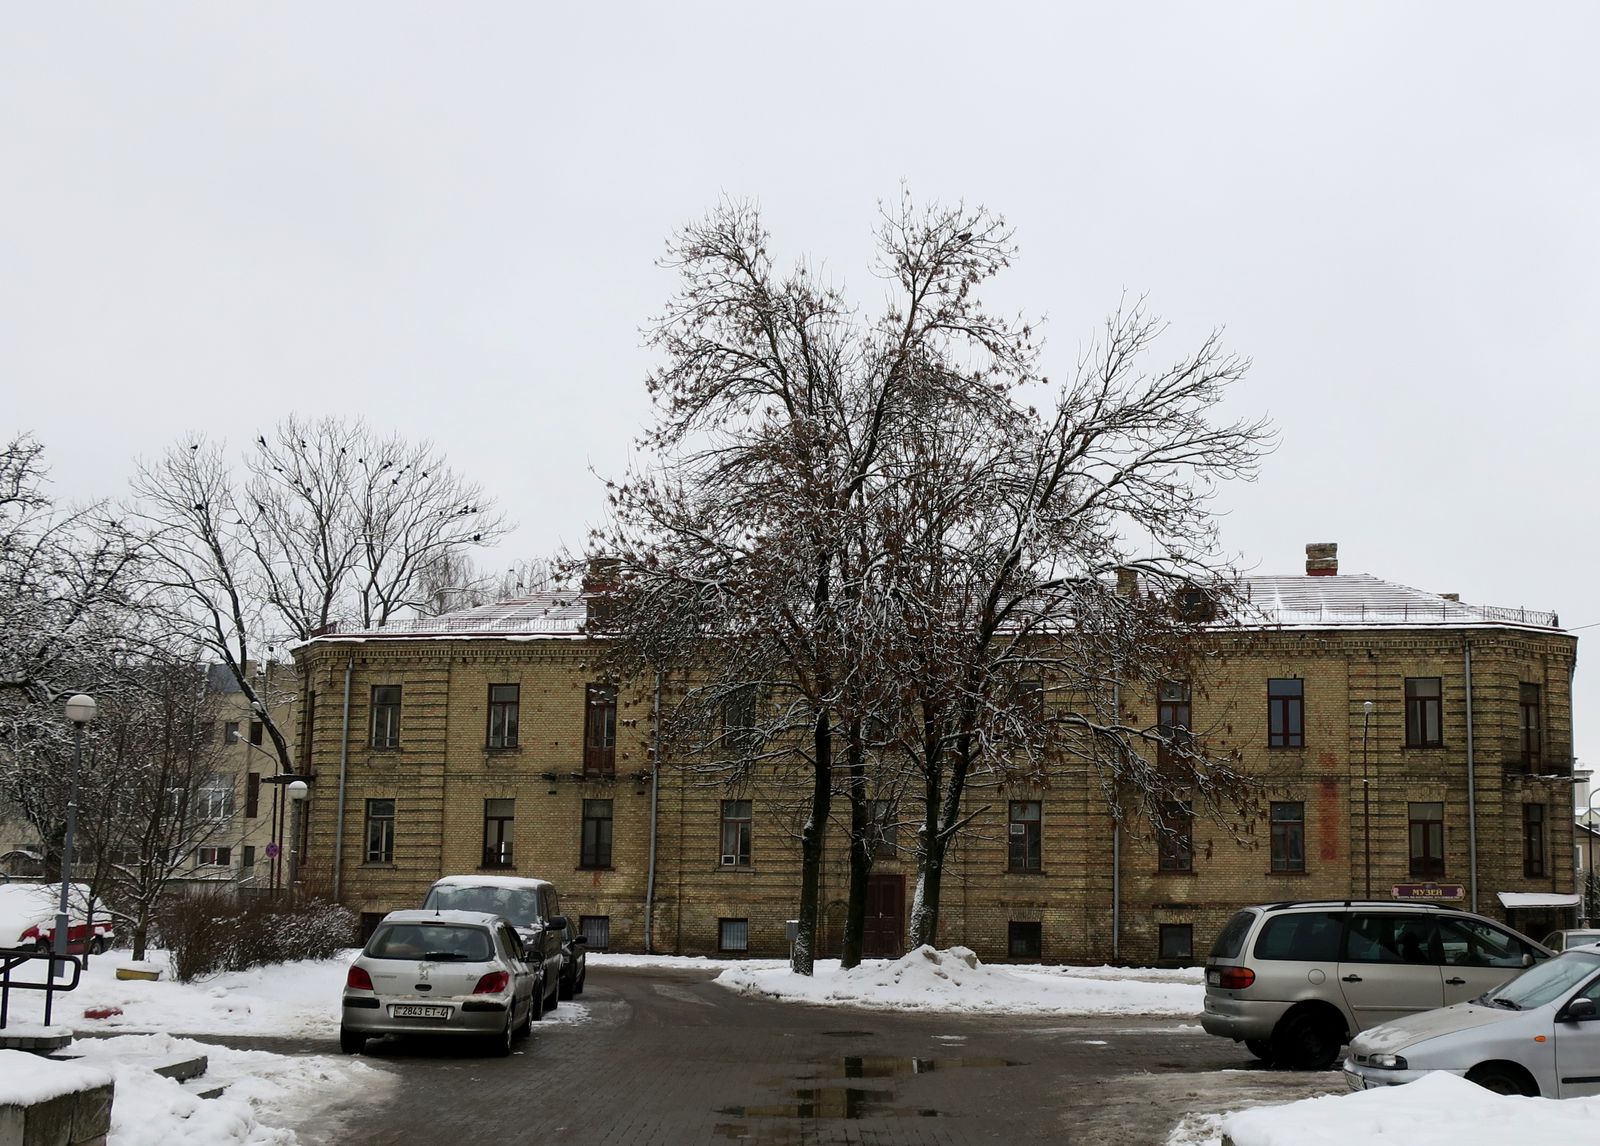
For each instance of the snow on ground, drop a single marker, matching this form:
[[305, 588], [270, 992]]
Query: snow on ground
[[1437, 1110], [957, 981]]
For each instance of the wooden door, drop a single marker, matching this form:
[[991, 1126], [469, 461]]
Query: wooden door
[[882, 936]]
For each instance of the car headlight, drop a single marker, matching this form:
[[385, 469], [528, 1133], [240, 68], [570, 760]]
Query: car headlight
[[1388, 1061]]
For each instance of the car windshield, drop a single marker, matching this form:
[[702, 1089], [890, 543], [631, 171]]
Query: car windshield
[[1545, 982], [439, 942], [519, 905]]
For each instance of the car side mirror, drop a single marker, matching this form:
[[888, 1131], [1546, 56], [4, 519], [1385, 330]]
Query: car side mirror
[[556, 923], [1579, 1011], [1527, 959]]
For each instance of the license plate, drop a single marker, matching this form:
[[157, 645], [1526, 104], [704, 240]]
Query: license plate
[[1213, 978], [403, 1011]]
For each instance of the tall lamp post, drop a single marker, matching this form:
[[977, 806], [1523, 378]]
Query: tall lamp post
[[1366, 790], [298, 791], [80, 710]]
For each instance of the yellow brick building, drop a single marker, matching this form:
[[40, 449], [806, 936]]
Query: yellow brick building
[[490, 740]]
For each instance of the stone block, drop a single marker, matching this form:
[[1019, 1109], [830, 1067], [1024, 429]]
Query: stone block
[[50, 1122], [91, 1115], [13, 1119]]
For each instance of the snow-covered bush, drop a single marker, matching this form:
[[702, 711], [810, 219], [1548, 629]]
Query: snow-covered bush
[[211, 931]]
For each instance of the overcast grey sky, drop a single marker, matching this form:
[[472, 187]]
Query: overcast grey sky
[[445, 218]]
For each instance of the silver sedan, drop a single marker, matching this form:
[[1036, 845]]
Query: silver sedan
[[440, 973], [1537, 1035]]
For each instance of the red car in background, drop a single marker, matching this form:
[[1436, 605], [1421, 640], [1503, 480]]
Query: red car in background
[[28, 918]]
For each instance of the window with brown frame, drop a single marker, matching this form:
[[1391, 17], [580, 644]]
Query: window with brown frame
[[505, 704], [1024, 851], [1288, 835], [1174, 719], [1176, 843], [1426, 833], [736, 821], [1024, 939], [733, 935], [1424, 712], [379, 831], [1286, 717], [258, 732], [1533, 840], [600, 730], [1532, 728], [1175, 942], [739, 733], [252, 794]]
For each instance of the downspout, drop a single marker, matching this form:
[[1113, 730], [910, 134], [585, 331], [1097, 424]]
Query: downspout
[[1472, 787], [1116, 846], [344, 765], [655, 795]]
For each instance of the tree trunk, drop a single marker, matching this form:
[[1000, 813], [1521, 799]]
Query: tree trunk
[[861, 839], [802, 958], [939, 831]]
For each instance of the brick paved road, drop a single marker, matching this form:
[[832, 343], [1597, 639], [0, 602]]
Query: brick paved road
[[665, 1058]]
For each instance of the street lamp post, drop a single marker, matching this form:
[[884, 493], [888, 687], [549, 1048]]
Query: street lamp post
[[298, 791], [1366, 790], [80, 710]]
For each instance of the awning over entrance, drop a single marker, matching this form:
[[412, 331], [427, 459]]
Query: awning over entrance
[[1512, 899]]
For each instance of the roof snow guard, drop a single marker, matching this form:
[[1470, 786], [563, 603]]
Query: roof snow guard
[[1361, 601]]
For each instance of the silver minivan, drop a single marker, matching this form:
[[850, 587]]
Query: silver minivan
[[534, 909], [1295, 981]]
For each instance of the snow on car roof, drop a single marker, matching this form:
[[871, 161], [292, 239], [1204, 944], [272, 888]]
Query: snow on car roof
[[520, 882]]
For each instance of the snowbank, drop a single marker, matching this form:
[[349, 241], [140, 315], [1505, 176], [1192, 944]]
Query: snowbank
[[1437, 1110], [957, 980]]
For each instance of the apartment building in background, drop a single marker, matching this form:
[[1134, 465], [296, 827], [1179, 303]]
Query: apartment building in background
[[492, 740]]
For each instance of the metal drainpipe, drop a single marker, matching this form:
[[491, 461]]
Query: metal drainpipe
[[1472, 786], [344, 763], [655, 794], [1116, 847]]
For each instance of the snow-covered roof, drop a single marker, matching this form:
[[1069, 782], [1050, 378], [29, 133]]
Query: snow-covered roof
[[1537, 899], [1348, 601]]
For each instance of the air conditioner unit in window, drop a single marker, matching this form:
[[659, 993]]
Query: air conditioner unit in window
[[730, 861], [1019, 830]]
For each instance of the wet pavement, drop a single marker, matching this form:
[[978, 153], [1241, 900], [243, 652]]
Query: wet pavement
[[667, 1057]]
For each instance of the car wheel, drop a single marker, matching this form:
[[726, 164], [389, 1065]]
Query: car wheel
[[553, 1000], [1261, 1048], [501, 1045], [525, 1028], [42, 946], [536, 1004], [1501, 1080], [97, 946], [350, 1042], [567, 982], [577, 984], [1307, 1041]]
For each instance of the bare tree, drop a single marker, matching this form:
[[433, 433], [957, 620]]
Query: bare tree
[[775, 405], [334, 524]]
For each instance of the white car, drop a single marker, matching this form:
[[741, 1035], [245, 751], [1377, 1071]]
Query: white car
[[1537, 1035]]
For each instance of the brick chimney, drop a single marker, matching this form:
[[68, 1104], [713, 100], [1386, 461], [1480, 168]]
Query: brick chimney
[[1127, 581], [1322, 559], [601, 580]]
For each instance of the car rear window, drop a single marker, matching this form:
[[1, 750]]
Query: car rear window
[[441, 942], [1305, 936], [1231, 941]]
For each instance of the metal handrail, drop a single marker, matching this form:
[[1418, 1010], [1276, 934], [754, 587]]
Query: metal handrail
[[15, 956]]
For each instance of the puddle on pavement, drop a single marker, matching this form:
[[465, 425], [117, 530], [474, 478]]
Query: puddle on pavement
[[851, 1102]]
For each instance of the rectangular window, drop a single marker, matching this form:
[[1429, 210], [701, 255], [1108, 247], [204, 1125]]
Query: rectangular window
[[386, 716], [1030, 700], [596, 929], [1024, 940], [252, 794], [1177, 841], [1532, 738], [214, 857], [505, 702], [215, 800], [258, 732], [733, 935], [1024, 851], [1174, 719], [885, 831], [1176, 942], [1286, 718], [739, 720], [248, 859], [1427, 840], [1423, 712], [230, 732], [735, 833], [380, 831], [498, 818], [1288, 836], [1533, 840], [596, 833], [600, 730]]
